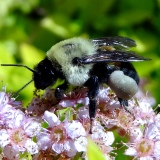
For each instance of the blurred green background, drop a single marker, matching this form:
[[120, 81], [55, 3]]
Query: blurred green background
[[28, 28]]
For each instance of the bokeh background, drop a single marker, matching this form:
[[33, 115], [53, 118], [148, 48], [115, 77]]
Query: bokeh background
[[28, 28]]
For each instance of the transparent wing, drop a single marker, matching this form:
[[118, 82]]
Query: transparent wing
[[113, 49], [112, 56], [115, 42]]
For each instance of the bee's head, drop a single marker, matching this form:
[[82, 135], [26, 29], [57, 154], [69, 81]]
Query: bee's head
[[44, 75]]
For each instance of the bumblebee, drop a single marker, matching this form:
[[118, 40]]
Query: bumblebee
[[90, 63]]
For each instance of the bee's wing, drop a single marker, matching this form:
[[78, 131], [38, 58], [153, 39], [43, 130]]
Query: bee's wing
[[112, 49], [115, 42], [112, 56]]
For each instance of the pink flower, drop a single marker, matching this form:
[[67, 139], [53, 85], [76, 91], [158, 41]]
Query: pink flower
[[60, 136], [74, 129], [44, 140], [103, 95], [100, 136], [47, 129], [146, 146], [51, 119], [11, 153], [144, 112], [18, 141], [32, 127], [4, 138], [80, 144], [73, 98]]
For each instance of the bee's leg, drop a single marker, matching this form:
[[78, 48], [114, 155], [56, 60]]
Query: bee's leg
[[93, 89], [123, 102], [59, 92], [129, 70]]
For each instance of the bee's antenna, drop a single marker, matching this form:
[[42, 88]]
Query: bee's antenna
[[16, 93], [19, 65]]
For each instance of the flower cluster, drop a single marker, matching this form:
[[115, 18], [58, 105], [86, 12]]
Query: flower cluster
[[16, 129], [51, 129]]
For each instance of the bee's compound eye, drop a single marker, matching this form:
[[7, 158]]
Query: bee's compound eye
[[124, 86]]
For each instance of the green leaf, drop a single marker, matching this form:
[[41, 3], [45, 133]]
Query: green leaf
[[30, 54], [45, 125], [26, 156], [34, 139], [79, 105], [93, 152], [65, 112]]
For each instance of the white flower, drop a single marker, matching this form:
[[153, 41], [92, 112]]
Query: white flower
[[74, 129], [69, 148], [108, 138], [4, 138], [97, 130], [18, 140], [19, 118], [157, 120], [84, 101], [32, 128], [44, 141], [10, 153], [4, 99], [157, 149], [67, 103], [138, 121], [147, 146], [151, 131], [81, 144], [144, 111], [83, 113], [31, 147], [130, 151], [58, 147], [113, 104], [51, 118], [15, 118], [6, 114], [103, 95], [135, 133]]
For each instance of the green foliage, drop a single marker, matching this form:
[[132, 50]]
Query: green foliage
[[25, 156], [93, 152], [45, 125], [66, 112]]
